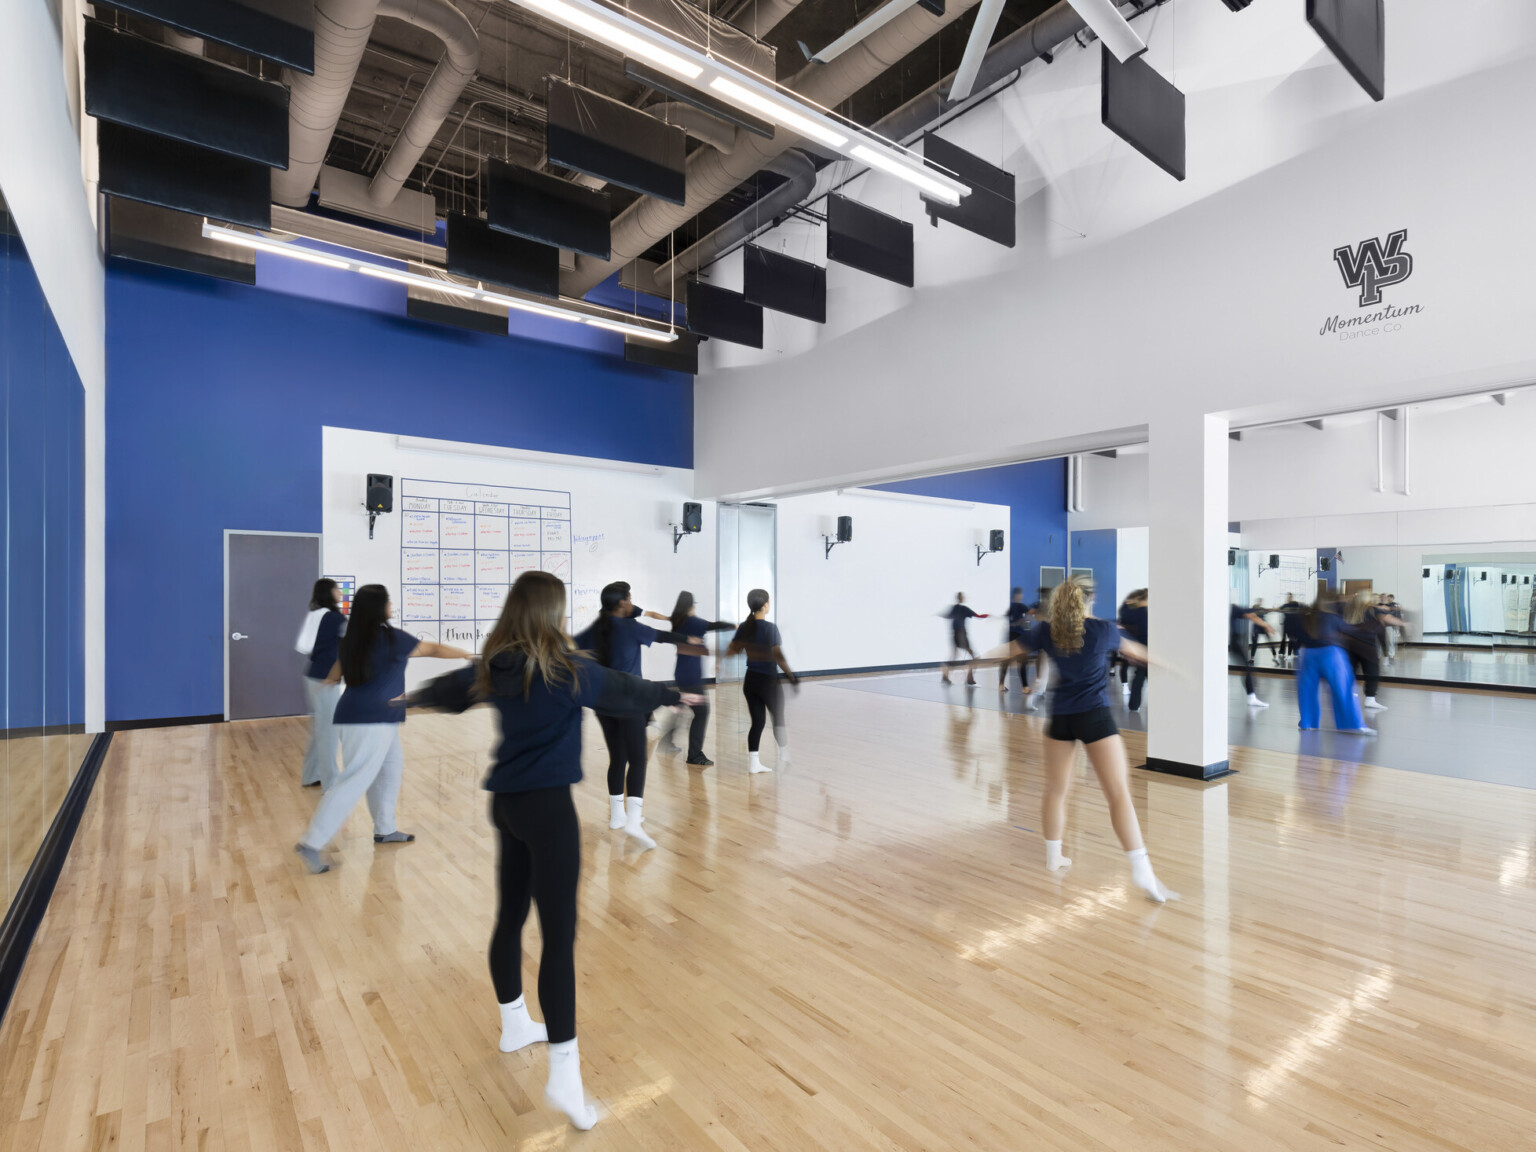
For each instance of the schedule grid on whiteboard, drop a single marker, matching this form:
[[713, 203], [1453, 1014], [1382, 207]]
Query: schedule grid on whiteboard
[[462, 546]]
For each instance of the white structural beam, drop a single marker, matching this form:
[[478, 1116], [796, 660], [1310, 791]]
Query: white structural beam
[[976, 47], [1109, 26]]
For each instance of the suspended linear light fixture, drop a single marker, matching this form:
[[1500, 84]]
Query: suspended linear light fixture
[[613, 322]]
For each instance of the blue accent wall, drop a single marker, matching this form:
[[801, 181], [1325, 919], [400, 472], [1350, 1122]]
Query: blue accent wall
[[1036, 495], [216, 397], [1099, 550]]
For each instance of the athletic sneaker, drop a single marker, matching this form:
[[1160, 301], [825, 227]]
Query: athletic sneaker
[[701, 762]]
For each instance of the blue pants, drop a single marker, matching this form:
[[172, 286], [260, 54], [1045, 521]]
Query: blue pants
[[1332, 665]]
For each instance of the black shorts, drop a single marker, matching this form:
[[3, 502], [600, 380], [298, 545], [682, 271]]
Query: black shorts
[[1089, 727]]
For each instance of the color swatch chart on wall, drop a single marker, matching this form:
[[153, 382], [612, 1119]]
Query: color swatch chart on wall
[[462, 546]]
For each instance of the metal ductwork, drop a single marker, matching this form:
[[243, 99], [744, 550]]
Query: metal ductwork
[[461, 60], [800, 176], [711, 175], [342, 28], [697, 123]]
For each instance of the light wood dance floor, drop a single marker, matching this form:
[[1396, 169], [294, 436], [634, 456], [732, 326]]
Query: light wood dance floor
[[861, 952]]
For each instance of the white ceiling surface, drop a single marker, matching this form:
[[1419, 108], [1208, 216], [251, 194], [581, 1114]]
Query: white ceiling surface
[[1130, 293]]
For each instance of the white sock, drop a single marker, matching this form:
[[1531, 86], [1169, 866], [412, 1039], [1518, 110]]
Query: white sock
[[1375, 705], [781, 738], [615, 811], [1145, 879], [1255, 702], [1054, 860], [755, 763], [518, 1029], [632, 824], [564, 1090]]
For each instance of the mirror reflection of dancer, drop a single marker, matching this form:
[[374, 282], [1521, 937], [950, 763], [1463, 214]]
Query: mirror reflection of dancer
[[1371, 623], [958, 615], [537, 682], [1017, 611], [1079, 646], [320, 640], [1133, 622], [371, 657], [1318, 636], [689, 677], [1285, 651], [615, 639], [1242, 620], [760, 639]]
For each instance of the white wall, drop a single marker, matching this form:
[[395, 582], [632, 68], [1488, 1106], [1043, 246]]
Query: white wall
[[876, 601], [619, 524], [41, 178], [1131, 294], [1131, 562]]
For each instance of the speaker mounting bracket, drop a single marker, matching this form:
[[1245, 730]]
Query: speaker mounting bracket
[[678, 533], [831, 544]]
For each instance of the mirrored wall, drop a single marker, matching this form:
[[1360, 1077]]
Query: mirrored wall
[[42, 530]]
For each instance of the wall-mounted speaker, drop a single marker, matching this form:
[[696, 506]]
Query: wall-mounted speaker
[[1274, 559], [1324, 564], [1426, 573], [997, 540], [1231, 556], [381, 492], [693, 517], [844, 529]]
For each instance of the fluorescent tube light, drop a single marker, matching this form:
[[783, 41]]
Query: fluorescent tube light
[[613, 34], [776, 111], [632, 329], [872, 23], [275, 247], [930, 182], [1109, 26], [418, 280]]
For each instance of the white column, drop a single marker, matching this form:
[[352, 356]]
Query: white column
[[1187, 595]]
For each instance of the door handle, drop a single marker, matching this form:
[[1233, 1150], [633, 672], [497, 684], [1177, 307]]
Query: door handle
[[238, 636]]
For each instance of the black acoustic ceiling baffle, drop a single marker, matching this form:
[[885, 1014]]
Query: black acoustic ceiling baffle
[[724, 315], [276, 30], [682, 355], [158, 170], [441, 312], [1144, 110], [782, 283], [590, 133], [538, 206], [157, 89], [1356, 33], [989, 210], [149, 234], [869, 240], [479, 252]]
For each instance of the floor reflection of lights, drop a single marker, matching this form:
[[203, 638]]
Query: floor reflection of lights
[[1515, 869], [1324, 1031], [607, 1111], [1043, 926]]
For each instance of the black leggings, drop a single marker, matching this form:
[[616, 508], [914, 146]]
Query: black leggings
[[1138, 682], [540, 858], [1370, 668], [764, 694], [1237, 647], [625, 737], [700, 723]]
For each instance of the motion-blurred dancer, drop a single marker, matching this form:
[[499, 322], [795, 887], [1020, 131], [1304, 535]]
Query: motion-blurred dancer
[[320, 640], [1285, 650], [1079, 646], [538, 683], [1133, 622], [615, 639], [1371, 624], [1318, 636], [759, 638], [1237, 647], [689, 677], [1253, 633], [371, 658], [1017, 611], [959, 615]]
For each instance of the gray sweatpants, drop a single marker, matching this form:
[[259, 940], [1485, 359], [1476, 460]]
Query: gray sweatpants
[[371, 764], [320, 756]]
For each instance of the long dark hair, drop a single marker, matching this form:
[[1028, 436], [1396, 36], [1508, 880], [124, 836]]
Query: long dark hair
[[370, 621], [602, 628], [681, 610], [324, 595], [531, 623], [755, 601]]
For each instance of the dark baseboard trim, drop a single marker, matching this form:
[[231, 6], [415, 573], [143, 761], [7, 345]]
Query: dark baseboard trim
[[873, 668], [41, 730], [26, 911], [163, 722], [1202, 772]]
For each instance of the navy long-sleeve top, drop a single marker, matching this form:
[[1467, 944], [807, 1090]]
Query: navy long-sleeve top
[[322, 658], [540, 744]]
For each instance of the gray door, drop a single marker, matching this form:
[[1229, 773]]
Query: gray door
[[268, 577], [748, 540]]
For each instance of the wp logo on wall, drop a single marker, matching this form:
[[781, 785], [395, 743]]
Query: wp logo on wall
[[1371, 265], [1368, 267]]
